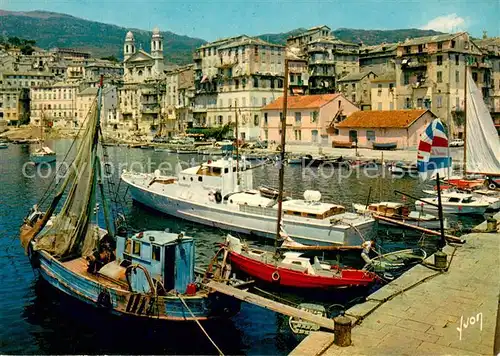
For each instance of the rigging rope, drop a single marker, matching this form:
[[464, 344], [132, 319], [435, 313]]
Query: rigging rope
[[201, 327]]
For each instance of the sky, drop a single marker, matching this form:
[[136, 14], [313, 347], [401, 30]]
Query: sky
[[212, 19]]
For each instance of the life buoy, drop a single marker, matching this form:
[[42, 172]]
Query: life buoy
[[275, 276], [492, 186], [218, 197]]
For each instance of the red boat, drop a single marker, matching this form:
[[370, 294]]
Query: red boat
[[463, 183], [293, 270]]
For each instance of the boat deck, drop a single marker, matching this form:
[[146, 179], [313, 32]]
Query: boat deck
[[79, 266]]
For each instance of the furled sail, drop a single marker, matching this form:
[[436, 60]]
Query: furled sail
[[482, 141], [69, 232], [432, 156]]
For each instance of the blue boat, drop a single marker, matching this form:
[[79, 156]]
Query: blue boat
[[3, 145], [148, 275], [43, 155]]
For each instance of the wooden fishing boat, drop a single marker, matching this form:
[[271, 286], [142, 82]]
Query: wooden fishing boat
[[401, 169], [396, 260], [385, 146], [3, 145], [300, 327], [343, 144], [42, 154], [401, 213], [293, 269], [310, 161], [148, 275]]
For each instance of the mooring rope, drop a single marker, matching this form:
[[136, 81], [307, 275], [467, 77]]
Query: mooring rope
[[201, 327]]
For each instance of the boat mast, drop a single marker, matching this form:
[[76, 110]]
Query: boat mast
[[465, 116], [237, 144], [282, 154]]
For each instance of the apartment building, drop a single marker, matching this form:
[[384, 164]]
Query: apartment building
[[179, 97], [303, 39], [430, 73], [234, 78], [85, 99], [383, 92], [55, 104], [491, 49], [95, 69], [357, 87], [378, 59]]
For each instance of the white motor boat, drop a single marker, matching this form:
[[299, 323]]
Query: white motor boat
[[486, 196], [454, 203], [218, 194]]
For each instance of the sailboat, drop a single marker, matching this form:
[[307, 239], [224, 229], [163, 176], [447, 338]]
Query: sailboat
[[290, 269], [42, 154], [481, 144], [148, 275], [433, 159]]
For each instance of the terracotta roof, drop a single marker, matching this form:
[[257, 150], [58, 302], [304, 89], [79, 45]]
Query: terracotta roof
[[381, 119], [302, 101]]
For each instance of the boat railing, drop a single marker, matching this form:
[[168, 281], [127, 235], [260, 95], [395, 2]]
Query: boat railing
[[258, 210]]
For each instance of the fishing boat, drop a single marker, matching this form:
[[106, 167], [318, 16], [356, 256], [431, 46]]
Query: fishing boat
[[3, 145], [294, 161], [148, 275], [323, 161], [300, 327], [292, 269], [401, 213], [42, 154], [385, 146], [401, 169], [481, 195], [396, 260]]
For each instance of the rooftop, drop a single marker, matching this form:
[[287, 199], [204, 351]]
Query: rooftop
[[354, 76], [248, 41], [385, 77], [302, 101], [382, 119], [431, 39], [383, 47]]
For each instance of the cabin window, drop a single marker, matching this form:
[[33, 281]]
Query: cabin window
[[128, 246], [200, 179], [454, 200], [297, 213], [312, 216], [226, 170], [137, 248], [191, 179], [296, 263], [155, 253]]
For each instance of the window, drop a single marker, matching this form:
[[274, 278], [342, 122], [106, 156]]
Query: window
[[466, 45], [439, 77], [314, 116], [457, 59], [265, 118], [264, 101], [256, 50], [256, 120], [236, 84], [370, 135], [420, 103], [379, 106], [298, 135], [475, 76], [457, 76], [298, 117], [292, 78], [439, 101], [420, 48], [353, 86], [280, 83], [272, 83], [128, 244], [439, 60], [353, 97], [452, 45], [255, 81], [406, 78], [155, 253], [440, 46], [391, 87], [407, 49], [137, 248], [408, 103]]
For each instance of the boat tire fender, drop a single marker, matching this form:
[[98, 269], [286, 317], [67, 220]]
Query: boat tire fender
[[492, 186], [276, 276], [218, 196], [104, 300]]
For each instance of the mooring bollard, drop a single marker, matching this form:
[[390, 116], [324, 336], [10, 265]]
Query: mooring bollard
[[440, 260], [342, 328], [491, 224]]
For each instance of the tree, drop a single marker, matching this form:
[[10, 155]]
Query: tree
[[14, 41], [111, 58]]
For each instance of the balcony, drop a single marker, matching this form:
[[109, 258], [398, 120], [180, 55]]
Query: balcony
[[227, 62], [412, 63], [150, 109], [316, 48], [321, 61], [196, 56], [486, 65]]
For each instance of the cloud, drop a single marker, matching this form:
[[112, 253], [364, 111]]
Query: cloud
[[446, 23]]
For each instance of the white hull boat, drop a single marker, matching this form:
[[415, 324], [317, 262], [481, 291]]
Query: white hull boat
[[484, 196], [454, 203], [209, 194]]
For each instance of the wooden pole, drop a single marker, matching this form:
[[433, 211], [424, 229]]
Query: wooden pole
[[442, 242], [237, 144], [282, 155]]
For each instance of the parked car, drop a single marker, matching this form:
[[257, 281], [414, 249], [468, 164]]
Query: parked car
[[456, 143]]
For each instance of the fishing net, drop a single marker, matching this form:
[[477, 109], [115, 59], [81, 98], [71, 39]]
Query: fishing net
[[70, 232]]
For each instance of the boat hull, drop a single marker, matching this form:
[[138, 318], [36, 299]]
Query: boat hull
[[125, 303], [293, 279], [38, 159], [220, 216], [458, 209]]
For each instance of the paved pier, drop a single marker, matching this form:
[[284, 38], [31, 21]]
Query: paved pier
[[428, 312]]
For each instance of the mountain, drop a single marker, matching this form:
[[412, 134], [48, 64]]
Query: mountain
[[51, 29], [367, 37]]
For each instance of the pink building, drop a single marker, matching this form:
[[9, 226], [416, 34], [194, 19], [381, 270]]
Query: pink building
[[309, 118], [395, 126]]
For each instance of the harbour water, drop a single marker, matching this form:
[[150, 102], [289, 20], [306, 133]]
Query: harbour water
[[35, 319]]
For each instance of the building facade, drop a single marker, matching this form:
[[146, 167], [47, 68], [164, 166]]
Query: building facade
[[383, 92], [55, 105], [357, 87], [309, 118]]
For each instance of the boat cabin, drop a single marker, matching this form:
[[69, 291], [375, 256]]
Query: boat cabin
[[311, 210], [162, 257], [389, 209]]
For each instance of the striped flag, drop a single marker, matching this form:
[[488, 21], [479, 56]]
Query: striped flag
[[432, 153]]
